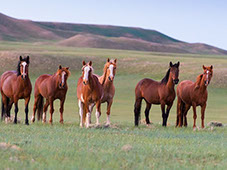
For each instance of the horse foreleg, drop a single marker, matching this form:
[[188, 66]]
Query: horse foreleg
[[16, 110], [26, 110], [194, 115], [80, 104], [51, 111], [61, 110], [88, 115], [168, 110], [109, 104], [45, 110], [203, 107], [163, 114], [98, 112]]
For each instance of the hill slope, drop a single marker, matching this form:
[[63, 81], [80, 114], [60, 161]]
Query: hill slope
[[97, 36]]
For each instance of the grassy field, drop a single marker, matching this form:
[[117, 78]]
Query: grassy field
[[120, 146]]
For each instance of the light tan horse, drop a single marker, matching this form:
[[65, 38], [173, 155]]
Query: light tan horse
[[193, 94], [51, 87], [89, 92], [106, 80], [16, 85]]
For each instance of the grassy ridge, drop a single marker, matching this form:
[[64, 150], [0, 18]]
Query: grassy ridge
[[121, 146]]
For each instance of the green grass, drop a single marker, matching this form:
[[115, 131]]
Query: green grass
[[120, 146]]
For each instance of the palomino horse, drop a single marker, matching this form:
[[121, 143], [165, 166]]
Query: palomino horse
[[51, 87], [16, 85], [89, 92], [193, 94], [106, 80], [154, 92]]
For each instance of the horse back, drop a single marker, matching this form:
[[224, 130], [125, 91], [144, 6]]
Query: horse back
[[149, 90]]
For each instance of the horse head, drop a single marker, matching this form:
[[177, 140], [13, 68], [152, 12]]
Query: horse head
[[174, 71], [87, 71], [62, 76], [22, 68], [207, 74], [110, 68]]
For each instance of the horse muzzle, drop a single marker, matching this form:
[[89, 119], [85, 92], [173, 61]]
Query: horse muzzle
[[206, 83], [85, 82], [176, 81], [61, 86], [110, 78], [23, 77]]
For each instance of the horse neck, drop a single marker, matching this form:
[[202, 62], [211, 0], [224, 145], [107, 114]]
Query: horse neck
[[91, 82], [170, 84], [54, 79], [104, 76], [202, 86]]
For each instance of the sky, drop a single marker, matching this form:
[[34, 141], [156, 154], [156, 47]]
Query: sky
[[187, 20]]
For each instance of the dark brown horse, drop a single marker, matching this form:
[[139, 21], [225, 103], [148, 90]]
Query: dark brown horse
[[89, 92], [51, 87], [193, 94], [16, 85], [106, 80], [154, 92]]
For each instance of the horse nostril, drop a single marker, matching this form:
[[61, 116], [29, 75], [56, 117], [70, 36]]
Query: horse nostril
[[84, 83]]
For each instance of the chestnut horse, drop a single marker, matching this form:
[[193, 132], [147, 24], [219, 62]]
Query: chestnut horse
[[154, 92], [16, 85], [193, 94], [51, 87], [106, 80], [89, 92]]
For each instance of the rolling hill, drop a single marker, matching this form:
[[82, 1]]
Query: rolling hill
[[98, 36]]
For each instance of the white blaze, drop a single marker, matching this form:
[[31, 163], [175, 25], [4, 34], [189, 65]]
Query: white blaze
[[86, 73], [111, 70], [24, 64], [63, 77]]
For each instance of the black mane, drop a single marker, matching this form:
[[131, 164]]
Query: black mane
[[166, 78]]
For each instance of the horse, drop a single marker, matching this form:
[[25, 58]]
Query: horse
[[193, 94], [89, 92], [154, 92], [16, 85], [50, 87], [106, 80]]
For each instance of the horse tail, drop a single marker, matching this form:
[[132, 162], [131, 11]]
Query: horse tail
[[40, 108], [3, 111], [182, 110], [137, 105]]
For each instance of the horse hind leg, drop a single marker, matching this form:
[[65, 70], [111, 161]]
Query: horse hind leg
[[137, 109], [109, 104], [187, 107], [147, 110]]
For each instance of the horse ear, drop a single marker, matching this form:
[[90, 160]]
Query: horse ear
[[108, 60], [115, 60], [20, 58], [170, 64], [67, 68], [27, 60], [178, 64], [90, 63], [204, 68], [60, 67], [211, 67], [84, 63]]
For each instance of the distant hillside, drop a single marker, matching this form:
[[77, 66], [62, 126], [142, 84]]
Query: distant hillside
[[98, 36]]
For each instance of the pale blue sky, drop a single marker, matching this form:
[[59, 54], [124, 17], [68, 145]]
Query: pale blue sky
[[187, 20]]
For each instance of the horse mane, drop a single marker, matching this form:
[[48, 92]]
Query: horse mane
[[166, 78], [198, 81]]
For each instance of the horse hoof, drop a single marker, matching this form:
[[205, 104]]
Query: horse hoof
[[27, 123]]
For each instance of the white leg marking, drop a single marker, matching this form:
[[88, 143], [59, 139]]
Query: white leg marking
[[97, 117], [80, 104], [108, 120], [88, 119], [44, 117], [33, 118]]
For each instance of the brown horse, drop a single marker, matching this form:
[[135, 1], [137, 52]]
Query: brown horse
[[193, 94], [154, 92], [106, 80], [51, 87], [89, 92], [16, 85]]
